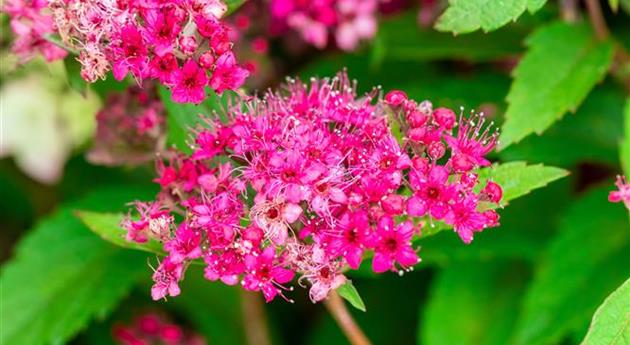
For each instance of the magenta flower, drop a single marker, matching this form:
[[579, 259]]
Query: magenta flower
[[189, 83], [622, 194], [166, 279], [227, 74], [392, 244], [185, 245], [306, 180], [263, 275]]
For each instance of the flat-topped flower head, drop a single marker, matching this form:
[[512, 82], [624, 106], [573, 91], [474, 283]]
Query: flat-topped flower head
[[308, 181]]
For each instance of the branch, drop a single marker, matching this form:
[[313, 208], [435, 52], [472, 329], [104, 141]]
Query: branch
[[597, 19], [340, 313], [254, 319]]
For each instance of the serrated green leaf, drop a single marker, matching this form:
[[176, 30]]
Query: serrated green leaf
[[581, 265], [350, 294], [563, 64], [518, 178], [464, 16], [594, 129], [611, 322], [473, 303], [625, 145], [107, 226], [62, 276]]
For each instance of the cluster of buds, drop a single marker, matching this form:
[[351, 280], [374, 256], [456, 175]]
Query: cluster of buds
[[310, 181], [130, 127], [180, 43], [349, 21], [152, 328]]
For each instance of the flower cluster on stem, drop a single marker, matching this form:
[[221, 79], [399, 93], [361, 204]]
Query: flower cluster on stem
[[310, 181]]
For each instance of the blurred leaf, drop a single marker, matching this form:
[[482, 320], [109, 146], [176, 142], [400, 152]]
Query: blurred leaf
[[518, 178], [473, 303], [625, 145], [212, 307], [73, 75], [594, 129], [350, 294], [107, 226], [579, 267], [611, 322], [464, 16], [233, 5], [614, 5], [562, 65], [401, 38], [63, 275]]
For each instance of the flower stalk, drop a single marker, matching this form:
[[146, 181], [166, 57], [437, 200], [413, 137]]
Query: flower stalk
[[344, 319]]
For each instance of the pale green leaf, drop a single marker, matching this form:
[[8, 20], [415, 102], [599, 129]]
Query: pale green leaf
[[233, 5], [594, 129], [350, 294], [518, 178], [579, 268], [611, 322], [62, 276], [563, 64], [464, 16], [107, 226], [473, 303], [625, 145]]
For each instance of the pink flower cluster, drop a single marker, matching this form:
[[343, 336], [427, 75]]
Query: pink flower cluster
[[130, 127], [180, 43], [349, 21], [622, 194], [152, 328], [31, 23], [310, 180]]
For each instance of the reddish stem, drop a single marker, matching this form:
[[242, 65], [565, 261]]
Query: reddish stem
[[340, 313]]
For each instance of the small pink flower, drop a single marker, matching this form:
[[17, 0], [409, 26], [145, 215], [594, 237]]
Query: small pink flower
[[393, 245], [185, 245], [227, 74], [622, 194], [189, 83], [263, 274], [166, 279]]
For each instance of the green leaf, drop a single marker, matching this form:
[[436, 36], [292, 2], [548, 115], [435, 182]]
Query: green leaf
[[614, 5], [62, 276], [563, 64], [594, 129], [233, 5], [581, 265], [182, 117], [518, 178], [625, 145], [400, 38], [473, 303], [73, 75], [107, 226], [611, 322], [350, 294], [464, 16]]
